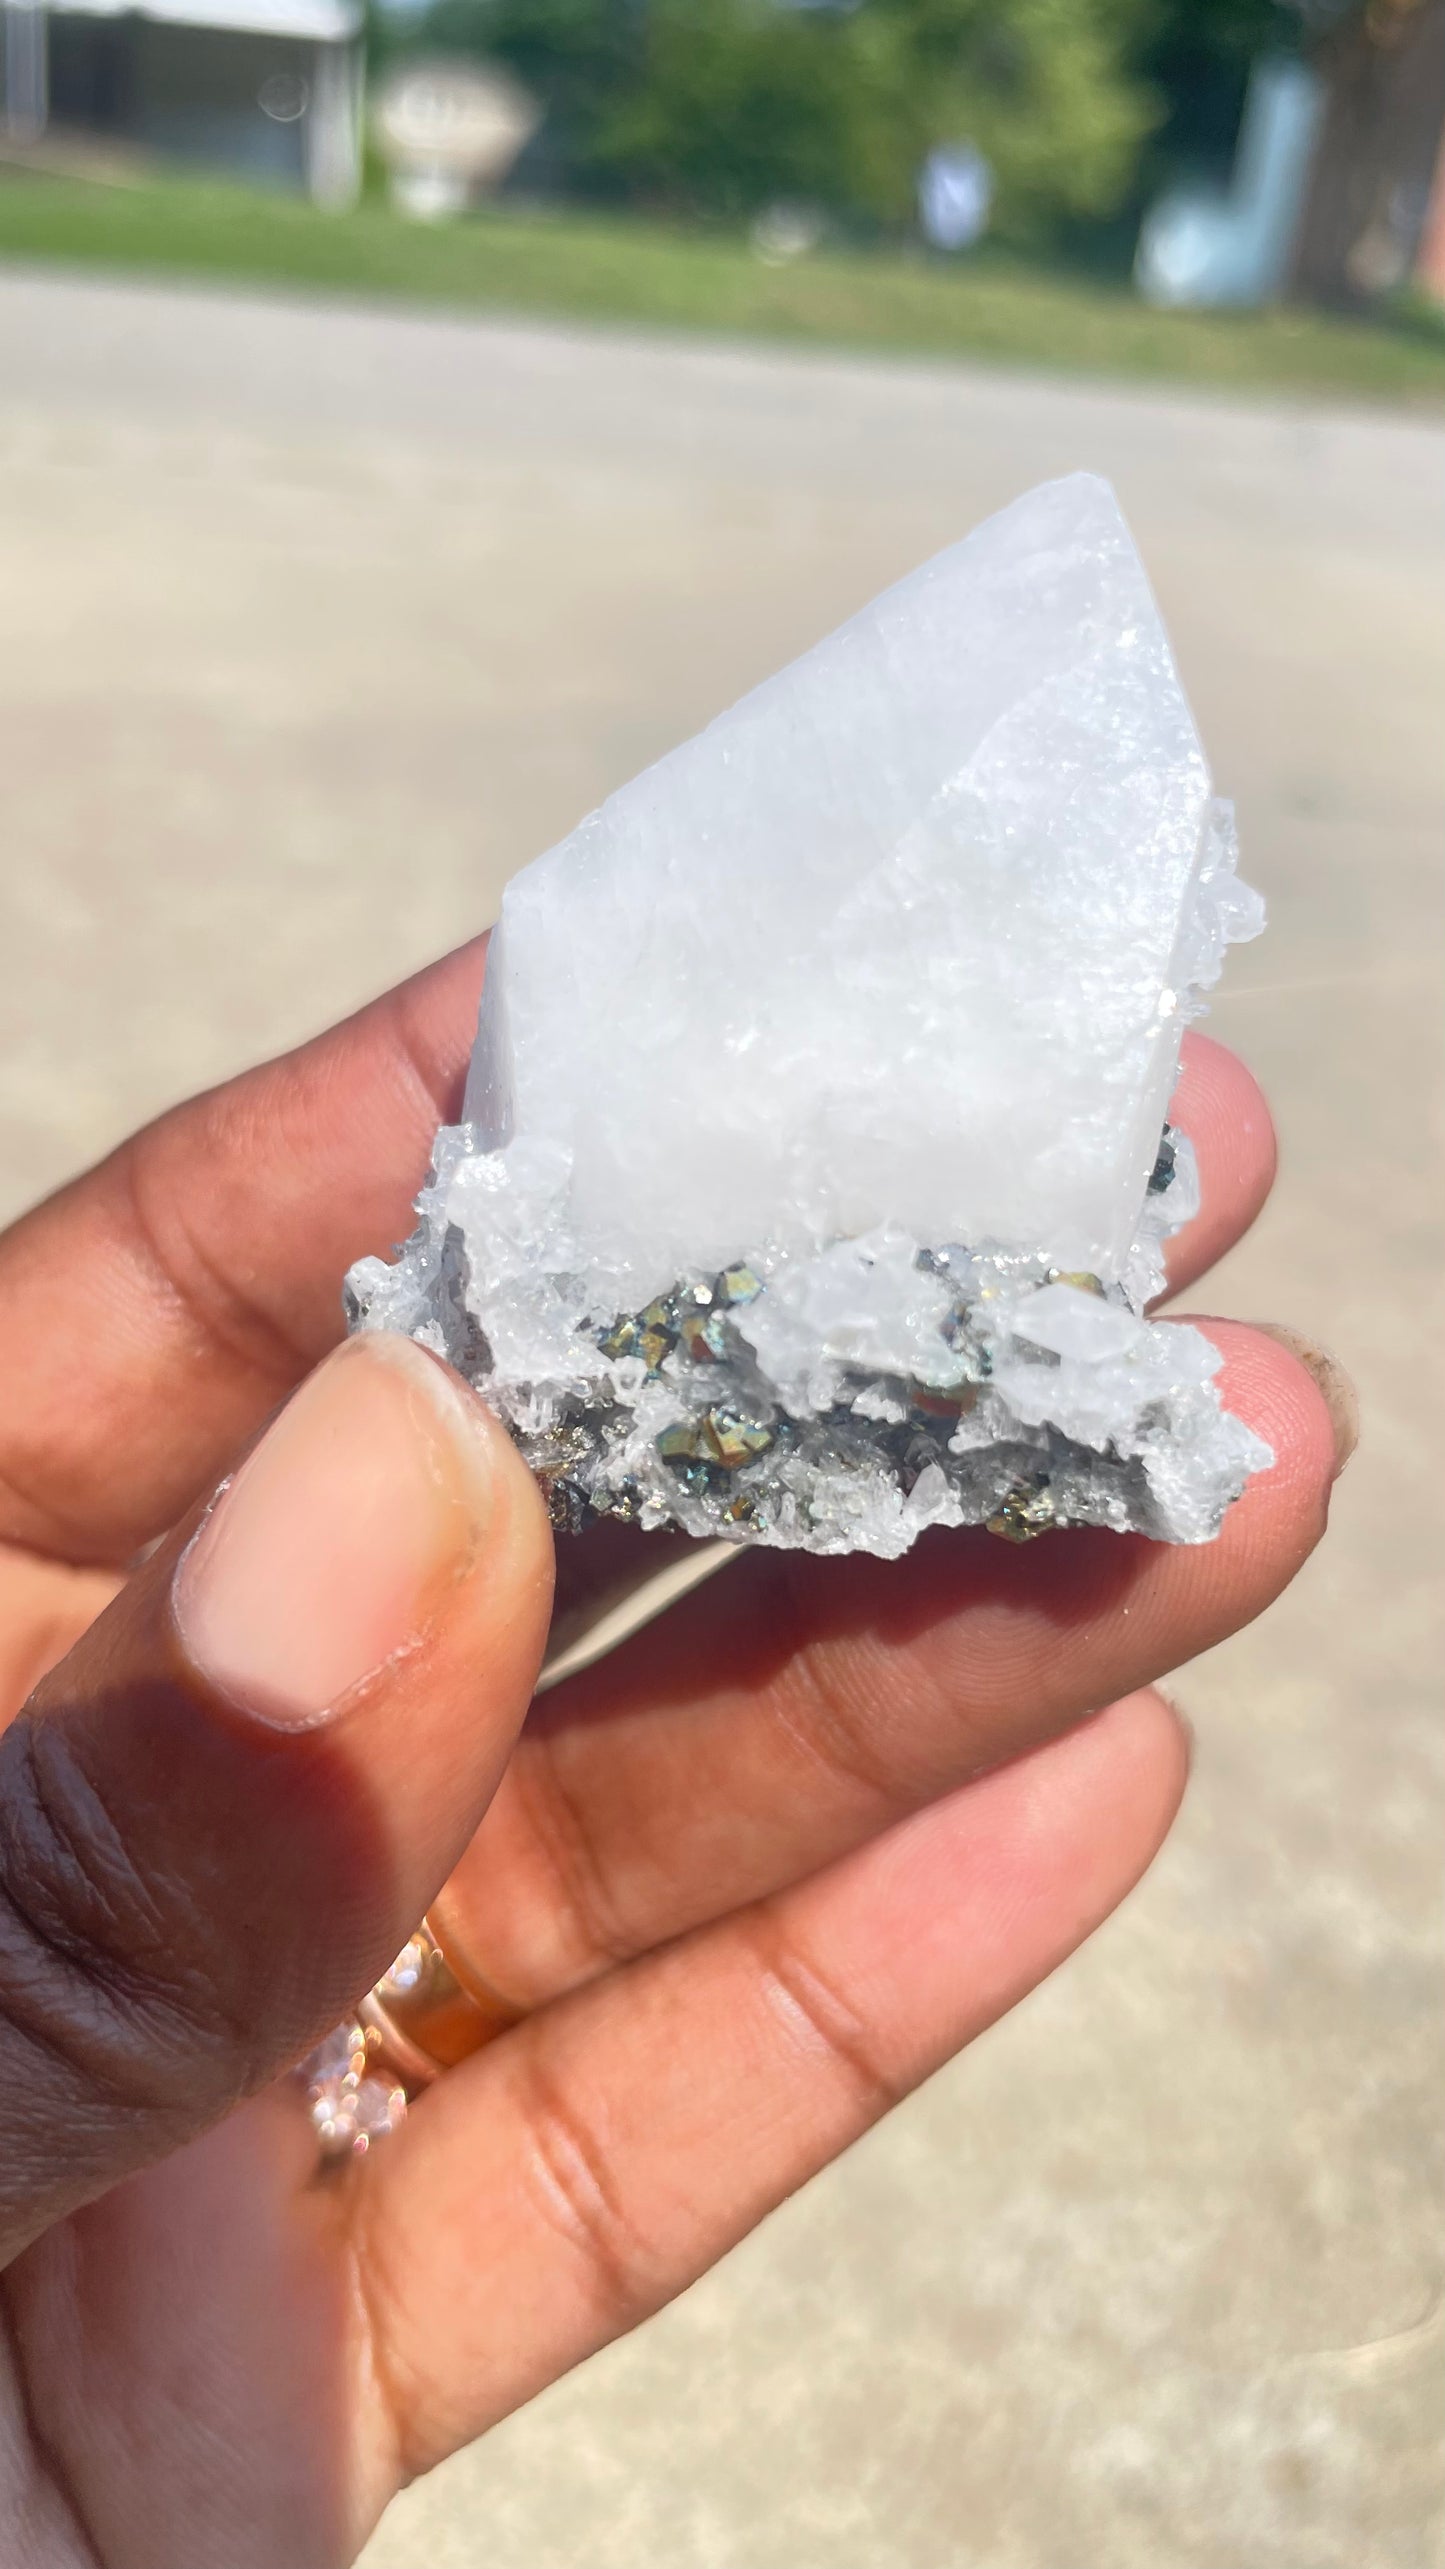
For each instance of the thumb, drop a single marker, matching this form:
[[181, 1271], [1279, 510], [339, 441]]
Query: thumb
[[222, 1815]]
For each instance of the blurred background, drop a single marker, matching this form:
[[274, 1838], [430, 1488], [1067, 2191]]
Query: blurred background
[[1030, 178], [412, 422]]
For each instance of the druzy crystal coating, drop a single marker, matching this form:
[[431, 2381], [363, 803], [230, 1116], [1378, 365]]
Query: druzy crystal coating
[[814, 1170]]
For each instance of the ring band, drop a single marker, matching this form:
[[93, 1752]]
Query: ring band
[[426, 2018], [418, 2021]]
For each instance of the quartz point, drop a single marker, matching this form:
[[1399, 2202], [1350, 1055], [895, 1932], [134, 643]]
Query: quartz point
[[811, 1187]]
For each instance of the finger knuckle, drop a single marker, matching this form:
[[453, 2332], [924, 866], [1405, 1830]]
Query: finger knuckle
[[229, 1313], [901, 1706], [576, 2186], [823, 2023], [96, 1967], [583, 1893], [829, 1703]]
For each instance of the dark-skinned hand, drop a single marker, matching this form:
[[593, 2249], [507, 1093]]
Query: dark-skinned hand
[[750, 1879]]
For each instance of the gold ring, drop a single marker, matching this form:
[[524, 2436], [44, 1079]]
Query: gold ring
[[418, 2021], [425, 2017]]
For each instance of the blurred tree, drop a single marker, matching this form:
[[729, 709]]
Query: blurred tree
[[1047, 89], [719, 106], [740, 102], [743, 99], [1198, 53]]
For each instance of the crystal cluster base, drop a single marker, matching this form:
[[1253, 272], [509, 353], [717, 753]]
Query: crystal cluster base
[[845, 1402]]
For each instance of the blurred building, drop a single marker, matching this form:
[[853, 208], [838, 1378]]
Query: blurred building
[[263, 90]]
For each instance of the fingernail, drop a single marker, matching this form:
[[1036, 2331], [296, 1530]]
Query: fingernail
[[334, 1547], [1335, 1387]]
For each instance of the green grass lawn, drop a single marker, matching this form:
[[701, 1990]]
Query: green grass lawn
[[599, 269]]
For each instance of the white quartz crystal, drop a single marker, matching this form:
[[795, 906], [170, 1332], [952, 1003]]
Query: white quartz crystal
[[874, 989]]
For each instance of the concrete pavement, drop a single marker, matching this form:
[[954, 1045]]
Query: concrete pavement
[[315, 623]]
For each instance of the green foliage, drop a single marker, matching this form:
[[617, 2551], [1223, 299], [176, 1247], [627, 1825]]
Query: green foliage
[[1043, 87], [1198, 54], [738, 102], [719, 106], [577, 56], [716, 107]]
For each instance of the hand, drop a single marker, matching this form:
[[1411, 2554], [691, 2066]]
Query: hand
[[752, 1878]]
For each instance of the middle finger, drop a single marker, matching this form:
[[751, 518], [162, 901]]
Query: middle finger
[[795, 1706]]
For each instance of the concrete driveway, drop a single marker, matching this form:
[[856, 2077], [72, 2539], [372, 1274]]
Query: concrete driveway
[[314, 624]]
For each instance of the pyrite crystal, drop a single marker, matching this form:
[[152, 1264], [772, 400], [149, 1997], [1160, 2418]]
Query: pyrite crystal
[[812, 1186]]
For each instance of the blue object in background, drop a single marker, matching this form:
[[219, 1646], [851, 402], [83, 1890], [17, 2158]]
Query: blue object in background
[[955, 194], [1206, 246]]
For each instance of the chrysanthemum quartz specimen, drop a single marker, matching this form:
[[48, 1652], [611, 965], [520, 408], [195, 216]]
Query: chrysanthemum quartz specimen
[[811, 1185]]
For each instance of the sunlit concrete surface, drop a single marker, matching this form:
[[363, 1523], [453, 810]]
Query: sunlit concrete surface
[[313, 624]]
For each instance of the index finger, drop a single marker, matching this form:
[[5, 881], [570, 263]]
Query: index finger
[[156, 1310]]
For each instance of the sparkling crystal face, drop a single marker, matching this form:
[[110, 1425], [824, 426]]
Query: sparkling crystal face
[[904, 938], [812, 1181]]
